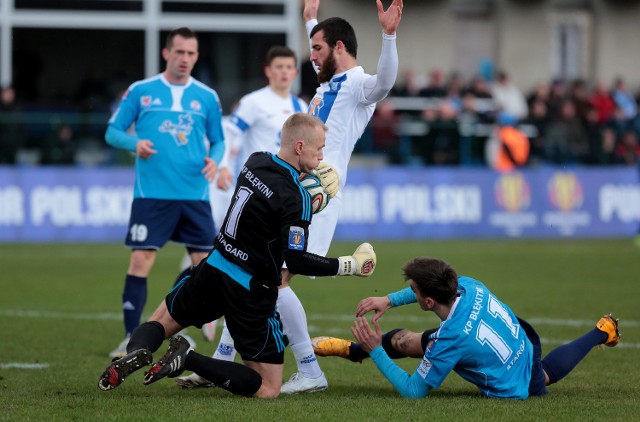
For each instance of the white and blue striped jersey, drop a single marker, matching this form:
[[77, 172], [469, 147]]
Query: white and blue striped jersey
[[184, 124], [481, 340], [259, 118], [342, 106]]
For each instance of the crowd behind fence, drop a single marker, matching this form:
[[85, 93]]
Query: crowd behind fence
[[444, 122]]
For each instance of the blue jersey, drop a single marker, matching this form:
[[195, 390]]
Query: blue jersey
[[481, 341], [184, 122]]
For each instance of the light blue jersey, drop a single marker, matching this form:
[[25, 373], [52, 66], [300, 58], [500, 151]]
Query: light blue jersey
[[481, 341], [184, 124]]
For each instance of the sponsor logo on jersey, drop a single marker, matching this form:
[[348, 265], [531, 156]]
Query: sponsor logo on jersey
[[430, 345], [296, 238], [315, 106], [156, 102], [145, 100], [195, 105], [180, 131], [424, 368]]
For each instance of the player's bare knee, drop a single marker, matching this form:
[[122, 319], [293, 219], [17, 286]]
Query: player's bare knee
[[141, 262]]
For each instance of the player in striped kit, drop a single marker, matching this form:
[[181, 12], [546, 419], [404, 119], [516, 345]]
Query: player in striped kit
[[178, 142], [345, 101]]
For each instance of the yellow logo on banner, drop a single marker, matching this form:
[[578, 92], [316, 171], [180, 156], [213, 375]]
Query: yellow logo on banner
[[512, 192], [565, 191]]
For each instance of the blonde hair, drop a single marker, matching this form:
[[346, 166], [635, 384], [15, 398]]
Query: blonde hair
[[296, 127]]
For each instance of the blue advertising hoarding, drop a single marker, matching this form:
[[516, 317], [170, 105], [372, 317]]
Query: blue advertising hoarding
[[92, 205]]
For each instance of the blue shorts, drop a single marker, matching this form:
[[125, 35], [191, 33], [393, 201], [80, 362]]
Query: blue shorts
[[537, 385], [153, 222]]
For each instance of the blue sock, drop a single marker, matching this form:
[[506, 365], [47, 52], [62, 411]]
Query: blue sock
[[133, 301], [561, 360]]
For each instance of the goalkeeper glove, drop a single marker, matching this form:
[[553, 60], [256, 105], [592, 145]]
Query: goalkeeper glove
[[328, 177], [361, 263]]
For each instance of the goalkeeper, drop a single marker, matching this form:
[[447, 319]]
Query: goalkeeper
[[266, 225]]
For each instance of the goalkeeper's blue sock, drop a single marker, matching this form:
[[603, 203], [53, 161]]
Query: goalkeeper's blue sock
[[133, 301], [561, 360]]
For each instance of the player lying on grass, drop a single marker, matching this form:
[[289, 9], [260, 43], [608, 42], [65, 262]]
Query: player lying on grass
[[479, 338], [266, 224]]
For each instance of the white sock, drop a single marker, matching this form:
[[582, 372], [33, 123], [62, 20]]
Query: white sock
[[225, 350], [294, 324]]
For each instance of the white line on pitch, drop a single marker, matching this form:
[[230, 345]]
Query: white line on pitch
[[19, 365], [21, 313]]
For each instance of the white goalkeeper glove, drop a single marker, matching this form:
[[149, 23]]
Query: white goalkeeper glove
[[361, 263], [328, 177]]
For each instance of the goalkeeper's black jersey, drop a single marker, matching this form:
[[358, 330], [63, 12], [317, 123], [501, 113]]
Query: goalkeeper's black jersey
[[269, 214]]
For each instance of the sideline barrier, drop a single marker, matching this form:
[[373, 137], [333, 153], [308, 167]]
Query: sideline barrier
[[92, 205]]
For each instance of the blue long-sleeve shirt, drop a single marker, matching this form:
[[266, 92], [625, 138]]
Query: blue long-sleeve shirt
[[184, 123], [481, 340]]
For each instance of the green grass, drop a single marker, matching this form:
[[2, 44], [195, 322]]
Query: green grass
[[60, 305]]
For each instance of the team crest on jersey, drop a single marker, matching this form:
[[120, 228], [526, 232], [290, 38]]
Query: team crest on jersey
[[296, 238], [315, 106], [180, 131], [145, 100], [195, 105], [424, 368]]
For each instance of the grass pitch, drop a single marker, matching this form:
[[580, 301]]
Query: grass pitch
[[60, 316]]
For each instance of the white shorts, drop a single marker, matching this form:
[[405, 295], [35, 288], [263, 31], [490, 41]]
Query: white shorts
[[323, 226]]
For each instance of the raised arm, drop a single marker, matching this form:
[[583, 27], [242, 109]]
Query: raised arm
[[378, 86]]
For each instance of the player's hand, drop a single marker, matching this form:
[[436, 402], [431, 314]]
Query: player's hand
[[367, 338], [362, 263], [144, 148], [378, 304], [209, 169], [310, 9], [390, 19], [328, 178], [225, 179]]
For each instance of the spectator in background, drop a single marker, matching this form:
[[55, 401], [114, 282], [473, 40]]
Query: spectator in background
[[542, 92], [441, 144], [627, 151], [594, 133], [435, 86], [566, 141], [509, 148], [557, 96], [483, 103], [508, 97], [539, 119], [602, 101], [384, 131], [580, 97], [608, 151], [624, 100], [60, 147], [408, 87], [11, 126]]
